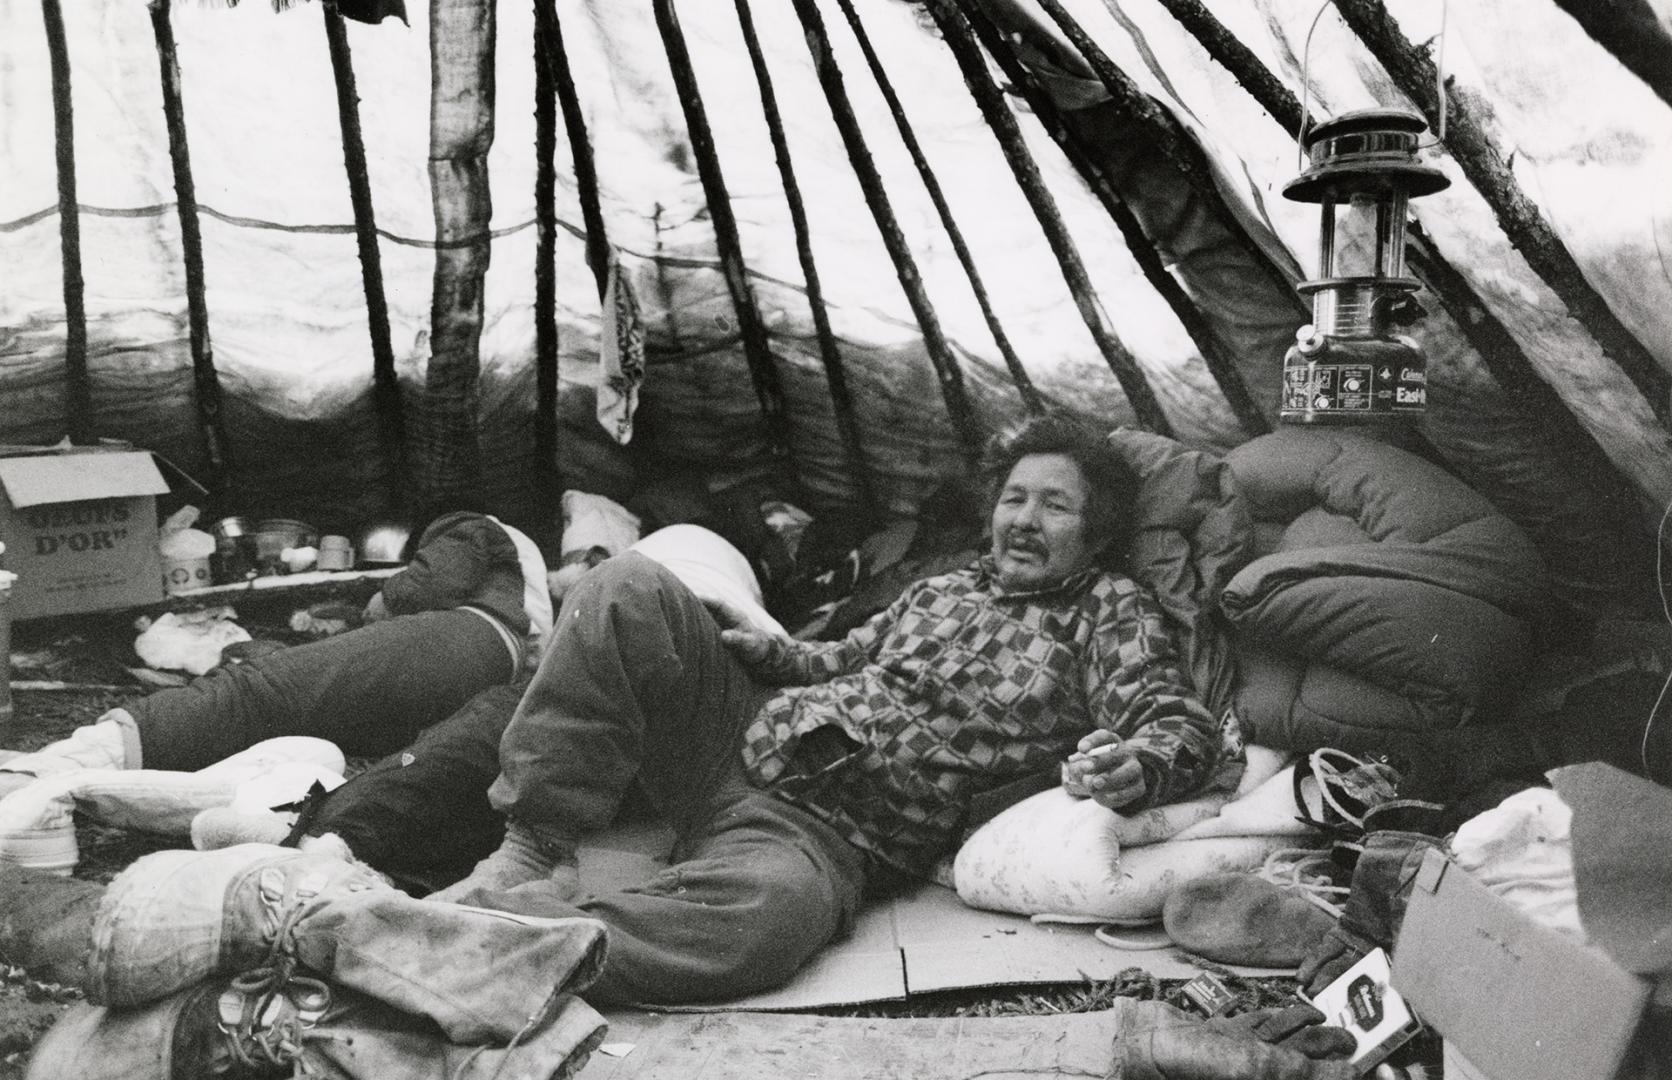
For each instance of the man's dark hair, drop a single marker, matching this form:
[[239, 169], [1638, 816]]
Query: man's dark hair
[[1113, 486]]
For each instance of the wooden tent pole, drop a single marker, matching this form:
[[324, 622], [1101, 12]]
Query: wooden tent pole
[[960, 39], [757, 349], [545, 248], [78, 396], [835, 368], [1134, 106], [1018, 374], [386, 388], [1491, 339], [580, 149], [1632, 31], [205, 382], [1517, 215], [1220, 366], [1224, 46], [882, 211], [448, 454]]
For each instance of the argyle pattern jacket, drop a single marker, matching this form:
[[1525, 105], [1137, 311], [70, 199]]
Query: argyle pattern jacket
[[959, 687]]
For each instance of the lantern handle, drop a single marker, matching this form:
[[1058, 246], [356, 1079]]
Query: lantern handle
[[1306, 82]]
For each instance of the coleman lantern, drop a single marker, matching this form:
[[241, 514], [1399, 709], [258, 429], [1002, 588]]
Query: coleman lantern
[[1351, 365]]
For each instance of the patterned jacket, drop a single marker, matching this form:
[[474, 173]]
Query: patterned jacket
[[960, 687]]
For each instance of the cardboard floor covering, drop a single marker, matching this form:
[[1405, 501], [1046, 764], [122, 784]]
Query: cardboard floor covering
[[919, 943]]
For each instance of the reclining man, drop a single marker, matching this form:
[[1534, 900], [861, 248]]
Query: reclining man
[[799, 776]]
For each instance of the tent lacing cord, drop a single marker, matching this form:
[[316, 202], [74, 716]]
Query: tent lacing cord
[[1660, 588]]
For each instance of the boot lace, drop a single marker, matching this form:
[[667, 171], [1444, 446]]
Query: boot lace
[[268, 1012], [1306, 872]]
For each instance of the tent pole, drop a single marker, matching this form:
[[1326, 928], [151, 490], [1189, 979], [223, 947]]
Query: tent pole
[[1018, 374], [1517, 215], [204, 380], [1220, 365], [959, 38], [78, 403], [757, 350], [1487, 333], [386, 389], [448, 463], [1632, 32], [1492, 340], [545, 250], [580, 149], [951, 377], [835, 368]]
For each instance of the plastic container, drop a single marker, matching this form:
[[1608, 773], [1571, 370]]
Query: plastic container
[[335, 553]]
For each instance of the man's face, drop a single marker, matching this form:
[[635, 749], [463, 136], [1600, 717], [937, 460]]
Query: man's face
[[1039, 523]]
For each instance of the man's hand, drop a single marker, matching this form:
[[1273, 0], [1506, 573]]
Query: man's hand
[[752, 646], [1106, 770]]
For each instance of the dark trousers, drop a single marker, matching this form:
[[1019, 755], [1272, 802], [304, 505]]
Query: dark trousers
[[637, 688], [370, 691], [421, 814]]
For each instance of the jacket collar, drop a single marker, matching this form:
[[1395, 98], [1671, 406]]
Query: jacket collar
[[1072, 583]]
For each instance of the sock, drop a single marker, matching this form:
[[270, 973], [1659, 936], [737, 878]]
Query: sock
[[523, 857]]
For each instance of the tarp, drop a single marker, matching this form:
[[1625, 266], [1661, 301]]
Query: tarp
[[1589, 143]]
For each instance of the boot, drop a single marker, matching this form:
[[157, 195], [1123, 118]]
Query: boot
[[46, 923], [1375, 908], [37, 823], [111, 742], [264, 1025], [174, 918], [1244, 919], [1158, 1042]]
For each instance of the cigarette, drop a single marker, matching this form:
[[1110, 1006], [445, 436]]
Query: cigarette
[[1098, 751]]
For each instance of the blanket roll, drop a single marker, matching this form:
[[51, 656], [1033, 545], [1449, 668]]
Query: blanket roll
[[1386, 594]]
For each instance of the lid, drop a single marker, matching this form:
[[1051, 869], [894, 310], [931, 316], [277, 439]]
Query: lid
[[1370, 151], [78, 475]]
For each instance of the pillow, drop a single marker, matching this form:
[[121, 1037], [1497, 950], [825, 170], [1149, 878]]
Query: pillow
[[1057, 856], [712, 568], [591, 521]]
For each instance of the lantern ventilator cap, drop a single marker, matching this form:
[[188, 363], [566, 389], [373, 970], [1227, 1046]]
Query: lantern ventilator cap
[[1366, 151]]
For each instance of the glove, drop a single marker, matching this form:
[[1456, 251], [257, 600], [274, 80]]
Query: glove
[[1295, 1027]]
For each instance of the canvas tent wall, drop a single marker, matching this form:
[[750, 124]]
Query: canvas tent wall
[[1548, 378]]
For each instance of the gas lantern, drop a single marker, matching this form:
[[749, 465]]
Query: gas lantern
[[1351, 365]]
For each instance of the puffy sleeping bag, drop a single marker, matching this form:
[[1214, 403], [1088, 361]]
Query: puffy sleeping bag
[[1383, 594]]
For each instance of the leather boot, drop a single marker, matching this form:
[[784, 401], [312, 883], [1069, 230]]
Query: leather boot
[[1244, 919], [111, 742], [46, 923], [174, 918], [1158, 1042], [1382, 879], [37, 823], [262, 1024]]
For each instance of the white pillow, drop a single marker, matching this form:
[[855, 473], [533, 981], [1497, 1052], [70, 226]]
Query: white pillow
[[1055, 855], [712, 568], [591, 521]]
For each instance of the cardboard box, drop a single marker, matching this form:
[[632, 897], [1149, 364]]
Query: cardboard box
[[1513, 999], [80, 528]]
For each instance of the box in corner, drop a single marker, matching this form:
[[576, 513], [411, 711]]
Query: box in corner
[[80, 528], [1514, 1000]]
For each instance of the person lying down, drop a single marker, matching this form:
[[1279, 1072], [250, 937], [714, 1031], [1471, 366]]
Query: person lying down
[[799, 777]]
